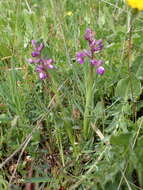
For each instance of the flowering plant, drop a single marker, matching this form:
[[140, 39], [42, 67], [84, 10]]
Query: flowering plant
[[95, 46], [42, 65]]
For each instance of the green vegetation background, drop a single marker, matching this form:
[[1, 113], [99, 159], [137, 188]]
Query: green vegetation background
[[32, 123]]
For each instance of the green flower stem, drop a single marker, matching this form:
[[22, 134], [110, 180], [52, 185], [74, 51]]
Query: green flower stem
[[89, 100]]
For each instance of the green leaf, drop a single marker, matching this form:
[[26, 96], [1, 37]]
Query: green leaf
[[121, 140], [137, 67], [37, 180], [99, 110], [127, 87], [4, 118], [14, 122]]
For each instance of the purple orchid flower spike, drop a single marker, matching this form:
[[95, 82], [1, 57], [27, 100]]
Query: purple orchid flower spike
[[42, 65], [95, 46]]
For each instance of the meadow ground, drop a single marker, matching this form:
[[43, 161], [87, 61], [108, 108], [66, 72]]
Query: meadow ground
[[76, 129]]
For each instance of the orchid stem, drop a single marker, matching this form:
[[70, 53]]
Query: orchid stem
[[89, 100]]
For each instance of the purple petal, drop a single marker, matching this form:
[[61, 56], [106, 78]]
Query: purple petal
[[33, 42], [96, 45], [100, 70], [31, 61], [47, 61], [97, 63], [87, 53], [40, 47], [80, 57], [51, 66], [40, 68], [80, 54], [80, 60], [35, 53], [93, 43], [99, 42], [42, 75], [89, 35]]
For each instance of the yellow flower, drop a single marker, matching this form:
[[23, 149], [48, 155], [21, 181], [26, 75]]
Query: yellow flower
[[69, 13], [138, 4]]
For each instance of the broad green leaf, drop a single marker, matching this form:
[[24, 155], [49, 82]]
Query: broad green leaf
[[121, 140], [137, 67], [127, 87]]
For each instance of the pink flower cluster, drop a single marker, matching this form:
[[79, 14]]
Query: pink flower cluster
[[95, 46], [42, 65]]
